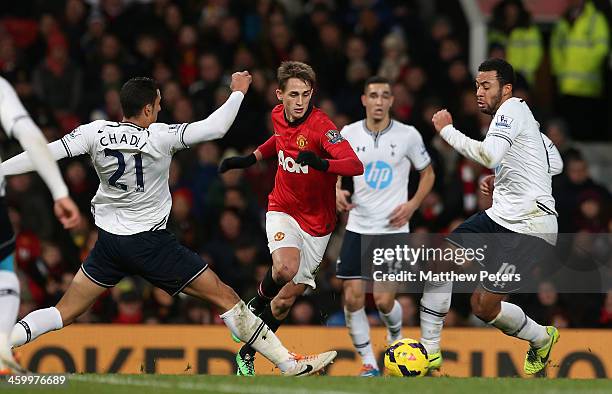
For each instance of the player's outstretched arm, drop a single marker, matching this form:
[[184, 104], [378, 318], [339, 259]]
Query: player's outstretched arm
[[20, 125], [218, 123], [264, 151], [41, 157], [488, 153], [23, 162]]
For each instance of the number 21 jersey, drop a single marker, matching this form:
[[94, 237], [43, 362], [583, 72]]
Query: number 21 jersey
[[133, 165]]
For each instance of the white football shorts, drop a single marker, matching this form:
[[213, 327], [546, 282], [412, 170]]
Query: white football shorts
[[283, 231]]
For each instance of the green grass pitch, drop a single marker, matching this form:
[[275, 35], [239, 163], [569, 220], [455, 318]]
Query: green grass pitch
[[136, 384]]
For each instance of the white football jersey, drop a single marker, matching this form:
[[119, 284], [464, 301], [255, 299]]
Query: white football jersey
[[133, 166], [387, 157], [11, 110], [522, 198]]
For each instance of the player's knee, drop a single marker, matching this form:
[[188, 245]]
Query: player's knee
[[354, 301], [384, 302], [285, 271], [353, 295]]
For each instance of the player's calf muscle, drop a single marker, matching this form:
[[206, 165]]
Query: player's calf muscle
[[281, 306], [384, 301], [282, 303], [354, 296], [485, 308], [80, 295], [209, 287]]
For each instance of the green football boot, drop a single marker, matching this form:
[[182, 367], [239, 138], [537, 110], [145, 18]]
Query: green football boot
[[536, 359], [246, 365]]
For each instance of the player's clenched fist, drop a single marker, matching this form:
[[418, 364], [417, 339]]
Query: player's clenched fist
[[486, 185], [241, 81], [67, 212], [309, 158], [442, 119], [342, 200]]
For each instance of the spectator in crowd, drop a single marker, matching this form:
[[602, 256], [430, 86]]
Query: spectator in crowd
[[129, 308], [197, 312], [80, 184], [579, 45], [182, 222], [161, 307], [58, 81], [576, 195], [513, 30], [303, 313], [605, 317], [202, 91], [395, 58], [557, 131]]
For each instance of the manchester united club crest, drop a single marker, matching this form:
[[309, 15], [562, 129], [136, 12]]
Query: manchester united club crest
[[301, 141], [279, 236]]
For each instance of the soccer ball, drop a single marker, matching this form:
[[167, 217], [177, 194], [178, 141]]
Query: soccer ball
[[406, 357]]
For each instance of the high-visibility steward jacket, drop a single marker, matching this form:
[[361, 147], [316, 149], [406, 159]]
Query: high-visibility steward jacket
[[524, 51], [578, 52]]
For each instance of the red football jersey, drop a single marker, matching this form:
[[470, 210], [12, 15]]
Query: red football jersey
[[306, 194]]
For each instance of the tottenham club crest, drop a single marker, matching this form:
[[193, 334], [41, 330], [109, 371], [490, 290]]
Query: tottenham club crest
[[301, 142], [75, 133]]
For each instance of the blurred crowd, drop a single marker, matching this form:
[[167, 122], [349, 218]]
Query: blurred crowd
[[68, 60]]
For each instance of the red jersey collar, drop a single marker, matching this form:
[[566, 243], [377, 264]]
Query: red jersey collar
[[299, 121]]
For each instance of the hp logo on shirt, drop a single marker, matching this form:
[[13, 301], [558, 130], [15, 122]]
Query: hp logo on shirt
[[378, 175]]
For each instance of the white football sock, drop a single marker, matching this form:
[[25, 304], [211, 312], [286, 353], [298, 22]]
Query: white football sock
[[9, 302], [359, 329], [435, 304], [393, 321], [253, 331], [512, 321], [36, 324]]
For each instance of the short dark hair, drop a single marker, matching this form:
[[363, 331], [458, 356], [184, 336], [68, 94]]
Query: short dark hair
[[293, 69], [136, 94], [375, 79], [505, 72]]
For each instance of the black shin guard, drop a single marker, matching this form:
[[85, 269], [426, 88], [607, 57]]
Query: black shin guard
[[268, 288]]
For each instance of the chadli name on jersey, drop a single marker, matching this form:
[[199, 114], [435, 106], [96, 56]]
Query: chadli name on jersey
[[124, 139]]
